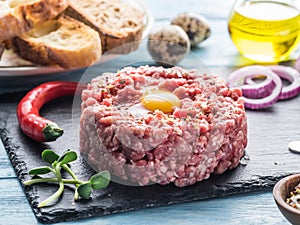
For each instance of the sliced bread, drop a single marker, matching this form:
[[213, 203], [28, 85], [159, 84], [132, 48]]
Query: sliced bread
[[19, 16], [118, 23], [63, 41]]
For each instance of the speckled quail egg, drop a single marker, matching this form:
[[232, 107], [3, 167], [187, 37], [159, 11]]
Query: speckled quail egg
[[168, 45], [196, 26]]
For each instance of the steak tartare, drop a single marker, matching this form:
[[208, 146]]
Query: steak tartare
[[162, 125]]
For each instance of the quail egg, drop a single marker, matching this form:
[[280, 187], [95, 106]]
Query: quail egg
[[196, 26], [168, 45]]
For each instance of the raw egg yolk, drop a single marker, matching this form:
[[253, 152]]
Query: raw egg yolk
[[160, 100]]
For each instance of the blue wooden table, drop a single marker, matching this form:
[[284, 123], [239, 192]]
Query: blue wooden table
[[220, 55]]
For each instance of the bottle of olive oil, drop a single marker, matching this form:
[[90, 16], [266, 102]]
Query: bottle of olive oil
[[265, 31]]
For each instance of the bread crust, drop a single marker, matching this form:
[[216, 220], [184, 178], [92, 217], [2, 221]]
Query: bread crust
[[30, 51], [21, 18], [71, 45], [2, 47], [103, 26], [120, 25]]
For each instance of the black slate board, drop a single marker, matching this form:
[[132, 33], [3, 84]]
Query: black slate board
[[270, 131]]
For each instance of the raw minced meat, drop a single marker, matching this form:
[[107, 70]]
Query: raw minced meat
[[206, 134]]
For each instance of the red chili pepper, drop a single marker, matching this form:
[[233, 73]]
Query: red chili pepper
[[32, 124]]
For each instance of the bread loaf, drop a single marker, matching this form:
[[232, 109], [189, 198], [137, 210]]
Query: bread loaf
[[117, 23], [19, 16], [69, 33], [63, 41]]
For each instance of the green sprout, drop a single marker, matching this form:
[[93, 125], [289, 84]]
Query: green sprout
[[83, 189]]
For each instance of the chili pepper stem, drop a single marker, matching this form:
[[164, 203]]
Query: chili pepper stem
[[51, 132]]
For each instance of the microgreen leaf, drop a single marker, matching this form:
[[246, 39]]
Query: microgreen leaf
[[67, 157], [84, 190], [49, 156], [40, 170], [100, 180]]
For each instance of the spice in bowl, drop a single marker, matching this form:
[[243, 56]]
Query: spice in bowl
[[281, 192], [294, 198]]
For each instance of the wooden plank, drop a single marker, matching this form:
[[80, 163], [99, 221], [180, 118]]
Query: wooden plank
[[232, 211], [14, 210], [269, 161], [6, 170], [219, 54]]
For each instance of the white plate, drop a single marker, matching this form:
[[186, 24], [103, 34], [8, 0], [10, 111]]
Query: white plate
[[12, 65]]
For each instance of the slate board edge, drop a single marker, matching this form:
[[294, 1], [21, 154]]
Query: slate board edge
[[264, 183], [19, 166], [261, 183]]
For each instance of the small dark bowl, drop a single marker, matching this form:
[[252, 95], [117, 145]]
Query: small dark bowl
[[281, 191]]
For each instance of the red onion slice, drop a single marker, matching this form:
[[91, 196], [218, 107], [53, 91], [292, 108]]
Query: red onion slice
[[251, 89], [250, 79], [254, 103], [291, 75]]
